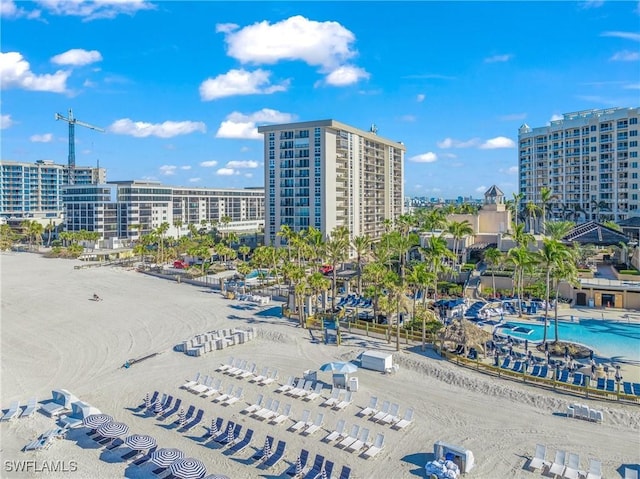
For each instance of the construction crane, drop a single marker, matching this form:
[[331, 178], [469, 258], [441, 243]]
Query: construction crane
[[72, 138]]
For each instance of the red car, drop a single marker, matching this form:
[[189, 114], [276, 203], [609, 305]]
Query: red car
[[180, 264], [326, 269]]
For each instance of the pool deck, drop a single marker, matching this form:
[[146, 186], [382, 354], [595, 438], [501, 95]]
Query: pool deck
[[630, 372]]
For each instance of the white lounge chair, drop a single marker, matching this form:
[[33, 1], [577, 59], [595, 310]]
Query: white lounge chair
[[538, 460], [30, 409], [384, 410], [333, 399], [558, 465], [225, 366], [271, 413], [270, 379], [283, 416], [213, 388], [225, 396], [317, 424], [375, 448], [392, 416], [405, 421], [370, 409], [248, 372], [192, 382], [302, 423], [13, 411], [297, 388], [357, 445], [61, 402], [351, 438], [263, 410], [573, 466], [234, 399], [345, 402], [315, 394], [287, 386], [595, 470], [201, 387], [256, 406], [337, 433], [79, 410]]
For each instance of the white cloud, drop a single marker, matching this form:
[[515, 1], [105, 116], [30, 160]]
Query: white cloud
[[9, 10], [194, 180], [449, 155], [481, 189], [248, 175], [420, 97], [625, 56], [240, 82], [185, 167], [556, 117], [498, 142], [498, 58], [244, 149], [327, 45], [240, 126], [242, 164], [346, 75], [453, 143], [225, 172], [95, 9], [168, 170], [5, 122], [428, 157], [626, 35], [46, 138], [77, 57], [16, 72], [167, 129], [226, 27], [208, 164]]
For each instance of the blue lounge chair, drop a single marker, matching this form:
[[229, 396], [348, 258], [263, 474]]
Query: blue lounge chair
[[564, 376], [627, 388], [172, 411], [277, 456], [224, 432], [517, 367], [315, 469], [536, 370], [345, 473], [241, 445], [544, 372], [188, 414], [506, 362], [237, 429], [152, 401], [302, 458], [611, 385], [259, 455], [578, 379], [209, 432], [636, 388], [600, 384], [144, 459]]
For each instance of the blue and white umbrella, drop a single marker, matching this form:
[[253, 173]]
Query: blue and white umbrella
[[188, 468], [266, 450], [339, 367], [166, 456], [113, 429], [140, 442], [230, 435], [298, 467], [147, 401], [182, 418], [214, 428], [94, 421], [158, 406]]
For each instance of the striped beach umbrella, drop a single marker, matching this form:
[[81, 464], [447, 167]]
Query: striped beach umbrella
[[323, 473], [147, 401], [113, 429], [266, 450], [94, 421], [214, 427], [158, 407], [166, 456], [140, 442], [230, 436], [188, 468], [182, 418], [298, 467]]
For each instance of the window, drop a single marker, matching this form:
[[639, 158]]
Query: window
[[633, 121], [633, 133]]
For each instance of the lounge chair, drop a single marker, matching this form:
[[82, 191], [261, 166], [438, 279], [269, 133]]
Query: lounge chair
[[297, 388], [337, 433], [345, 402], [630, 473], [314, 470], [270, 379], [37, 444], [286, 386], [345, 472], [152, 400], [270, 413], [202, 387], [301, 460], [223, 432], [225, 396], [247, 373], [350, 438], [194, 422], [233, 399], [214, 428], [263, 410], [302, 423], [191, 382], [167, 414], [190, 412], [264, 374], [579, 379], [392, 417], [235, 434], [144, 459], [544, 372], [240, 445], [259, 455], [572, 468], [375, 448], [636, 388], [283, 416], [361, 442], [13, 411], [564, 376], [317, 424], [213, 388], [79, 410], [224, 366], [30, 408], [276, 457], [314, 394], [517, 367], [333, 399], [256, 406], [610, 385], [595, 470], [384, 410], [60, 404], [405, 421], [506, 362], [535, 371], [370, 409], [558, 464], [627, 388]]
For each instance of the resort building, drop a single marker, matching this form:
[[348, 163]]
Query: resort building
[[327, 174], [128, 209], [589, 161], [34, 190]]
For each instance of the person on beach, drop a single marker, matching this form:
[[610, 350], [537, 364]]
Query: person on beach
[[96, 297]]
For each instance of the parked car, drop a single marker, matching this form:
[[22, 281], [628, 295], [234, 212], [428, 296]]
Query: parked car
[[326, 269], [179, 264]]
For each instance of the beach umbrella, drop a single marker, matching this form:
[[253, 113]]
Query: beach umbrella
[[323, 473], [140, 442], [166, 456], [339, 367], [182, 417], [147, 401], [298, 467], [158, 407], [230, 436], [266, 450], [214, 427], [188, 468], [526, 345], [113, 429], [94, 421]]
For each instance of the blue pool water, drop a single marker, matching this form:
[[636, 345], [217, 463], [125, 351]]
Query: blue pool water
[[612, 339], [254, 273]]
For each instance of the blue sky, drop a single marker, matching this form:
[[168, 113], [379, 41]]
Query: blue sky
[[180, 87]]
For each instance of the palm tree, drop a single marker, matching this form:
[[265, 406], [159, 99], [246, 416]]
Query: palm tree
[[361, 246], [374, 275], [435, 252], [545, 198], [161, 230], [553, 252], [559, 229], [521, 237], [288, 234], [563, 271], [517, 198], [244, 251], [177, 222], [318, 284], [521, 258], [336, 251], [49, 229], [459, 230], [493, 257], [419, 279], [532, 210]]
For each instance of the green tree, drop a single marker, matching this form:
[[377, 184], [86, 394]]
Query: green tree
[[458, 230], [545, 199], [558, 229], [493, 257], [435, 252], [361, 246]]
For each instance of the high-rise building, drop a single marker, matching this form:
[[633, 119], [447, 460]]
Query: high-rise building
[[128, 209], [34, 190], [327, 174], [589, 161]]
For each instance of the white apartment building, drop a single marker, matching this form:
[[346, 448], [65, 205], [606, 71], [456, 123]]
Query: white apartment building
[[34, 190], [589, 160], [115, 209], [327, 174]]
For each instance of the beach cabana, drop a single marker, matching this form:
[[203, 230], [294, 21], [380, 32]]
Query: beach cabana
[[61, 402], [79, 411], [462, 457]]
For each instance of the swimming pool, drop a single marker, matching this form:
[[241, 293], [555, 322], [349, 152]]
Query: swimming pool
[[612, 339]]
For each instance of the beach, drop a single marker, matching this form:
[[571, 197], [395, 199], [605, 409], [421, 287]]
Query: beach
[[53, 335]]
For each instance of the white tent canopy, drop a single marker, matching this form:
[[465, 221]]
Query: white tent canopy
[[461, 456]]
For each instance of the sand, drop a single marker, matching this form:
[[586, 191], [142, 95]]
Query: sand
[[54, 336]]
